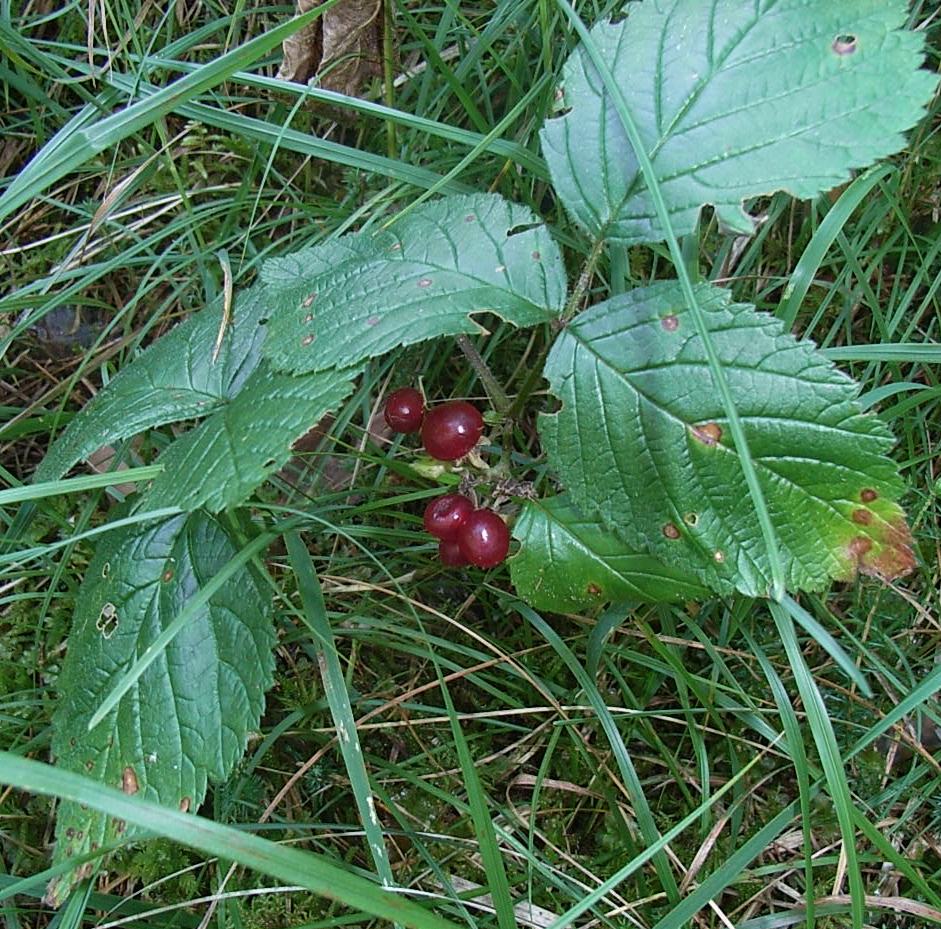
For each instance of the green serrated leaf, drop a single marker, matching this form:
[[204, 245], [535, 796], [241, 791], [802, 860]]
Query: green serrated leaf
[[732, 100], [569, 563], [174, 379], [220, 462], [187, 719], [641, 443], [338, 303]]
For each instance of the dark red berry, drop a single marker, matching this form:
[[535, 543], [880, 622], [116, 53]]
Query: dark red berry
[[450, 554], [451, 430], [445, 515], [484, 539], [405, 410]]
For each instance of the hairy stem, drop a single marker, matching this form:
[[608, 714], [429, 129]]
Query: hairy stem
[[497, 394]]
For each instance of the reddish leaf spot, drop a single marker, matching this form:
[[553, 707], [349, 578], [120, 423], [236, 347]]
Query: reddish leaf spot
[[373, 321], [593, 590], [470, 218], [185, 805], [845, 44], [309, 318], [707, 433], [129, 781], [536, 256], [500, 269], [862, 517], [671, 323], [167, 575], [670, 531], [307, 339], [867, 495], [309, 299], [719, 557], [396, 246], [859, 547], [425, 282]]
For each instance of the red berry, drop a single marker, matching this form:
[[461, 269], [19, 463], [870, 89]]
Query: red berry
[[484, 539], [405, 410], [450, 554], [445, 515], [451, 430]]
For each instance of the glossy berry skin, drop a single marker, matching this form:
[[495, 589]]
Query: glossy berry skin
[[445, 515], [484, 539], [405, 410], [450, 554], [451, 430]]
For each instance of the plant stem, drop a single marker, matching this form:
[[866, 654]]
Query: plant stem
[[497, 394], [571, 308]]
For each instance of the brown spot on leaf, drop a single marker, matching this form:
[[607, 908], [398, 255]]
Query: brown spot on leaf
[[867, 495], [307, 339], [593, 590], [89, 765], [70, 833], [671, 323], [691, 519], [167, 575], [425, 282], [119, 826], [670, 531], [536, 256], [309, 299], [84, 871], [129, 780], [185, 805], [887, 555], [707, 433], [470, 218], [862, 517], [309, 318], [845, 44]]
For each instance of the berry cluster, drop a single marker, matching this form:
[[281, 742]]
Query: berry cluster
[[467, 535], [448, 431]]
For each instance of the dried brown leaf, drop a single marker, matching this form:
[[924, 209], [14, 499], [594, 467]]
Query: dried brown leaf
[[341, 49]]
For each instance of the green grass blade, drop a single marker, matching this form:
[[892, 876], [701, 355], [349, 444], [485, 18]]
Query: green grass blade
[[927, 352], [483, 824], [316, 873], [837, 216], [833, 766], [314, 615], [775, 564], [74, 485], [642, 811], [826, 641], [45, 170]]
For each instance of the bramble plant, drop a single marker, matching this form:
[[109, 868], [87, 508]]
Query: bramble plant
[[701, 449]]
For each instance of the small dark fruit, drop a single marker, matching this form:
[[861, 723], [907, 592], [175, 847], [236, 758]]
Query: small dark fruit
[[450, 554], [484, 539], [445, 515], [405, 410], [451, 430]]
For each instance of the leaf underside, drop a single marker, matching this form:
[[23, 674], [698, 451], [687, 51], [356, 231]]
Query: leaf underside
[[174, 379], [568, 563], [220, 462], [641, 442], [187, 719], [732, 100], [360, 296]]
